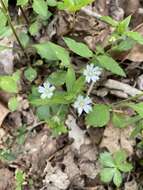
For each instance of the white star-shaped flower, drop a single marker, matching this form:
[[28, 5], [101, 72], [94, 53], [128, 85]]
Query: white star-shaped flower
[[83, 104], [92, 73], [46, 90]]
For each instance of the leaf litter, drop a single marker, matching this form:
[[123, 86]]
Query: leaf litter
[[68, 161]]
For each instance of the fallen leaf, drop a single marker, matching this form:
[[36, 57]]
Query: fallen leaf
[[115, 139]]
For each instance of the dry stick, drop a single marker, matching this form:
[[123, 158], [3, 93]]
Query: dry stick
[[90, 88], [11, 25], [91, 13]]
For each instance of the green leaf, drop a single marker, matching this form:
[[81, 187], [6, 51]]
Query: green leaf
[[70, 79], [45, 51], [125, 167], [52, 3], [138, 108], [22, 2], [56, 99], [106, 160], [121, 121], [124, 45], [43, 112], [8, 84], [20, 178], [51, 51], [13, 104], [73, 5], [137, 130], [135, 36], [123, 25], [119, 157], [109, 20], [3, 19], [117, 179], [57, 78], [41, 8], [30, 74], [34, 28], [99, 116], [107, 174], [110, 64], [78, 48], [24, 38]]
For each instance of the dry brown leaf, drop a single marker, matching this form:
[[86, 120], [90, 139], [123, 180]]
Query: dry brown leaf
[[6, 180], [3, 113], [115, 139]]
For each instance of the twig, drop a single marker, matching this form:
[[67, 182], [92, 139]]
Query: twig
[[91, 13]]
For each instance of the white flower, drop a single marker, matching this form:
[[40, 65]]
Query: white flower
[[83, 104], [92, 73], [46, 90]]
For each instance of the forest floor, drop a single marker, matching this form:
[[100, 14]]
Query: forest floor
[[70, 161]]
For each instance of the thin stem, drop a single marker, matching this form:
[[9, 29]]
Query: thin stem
[[127, 100], [11, 25], [24, 16], [90, 88]]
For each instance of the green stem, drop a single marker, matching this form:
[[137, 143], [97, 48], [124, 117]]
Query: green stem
[[127, 100], [11, 25]]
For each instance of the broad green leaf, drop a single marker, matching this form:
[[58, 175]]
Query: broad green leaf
[[52, 3], [30, 74], [51, 51], [99, 116], [121, 121], [117, 179], [137, 130], [78, 48], [73, 5], [125, 167], [34, 28], [45, 51], [8, 84], [107, 174], [20, 178], [138, 108], [109, 20], [70, 79], [123, 25], [3, 19], [56, 99], [41, 8], [135, 36], [110, 64], [106, 160], [57, 78], [13, 104], [43, 112], [22, 2], [24, 38], [119, 157], [124, 45], [61, 54]]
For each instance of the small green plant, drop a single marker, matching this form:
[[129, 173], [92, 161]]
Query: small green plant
[[114, 166], [20, 179]]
